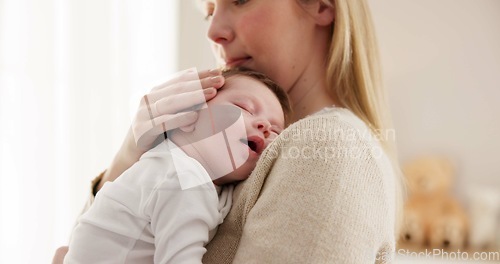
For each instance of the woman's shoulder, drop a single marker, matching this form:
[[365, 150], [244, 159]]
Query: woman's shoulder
[[332, 140], [335, 124], [329, 117]]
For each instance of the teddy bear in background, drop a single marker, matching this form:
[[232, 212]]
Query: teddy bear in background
[[432, 217]]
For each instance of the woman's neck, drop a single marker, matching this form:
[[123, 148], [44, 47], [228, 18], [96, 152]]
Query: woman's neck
[[310, 97], [309, 94]]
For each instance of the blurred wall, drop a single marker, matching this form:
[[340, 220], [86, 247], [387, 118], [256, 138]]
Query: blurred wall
[[441, 64], [194, 48], [67, 72]]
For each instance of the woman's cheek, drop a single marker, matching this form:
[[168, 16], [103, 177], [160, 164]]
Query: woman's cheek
[[255, 29]]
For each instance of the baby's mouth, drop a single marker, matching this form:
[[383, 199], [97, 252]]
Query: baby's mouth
[[251, 145], [255, 143]]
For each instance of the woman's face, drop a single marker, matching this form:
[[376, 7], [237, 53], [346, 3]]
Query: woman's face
[[275, 37]]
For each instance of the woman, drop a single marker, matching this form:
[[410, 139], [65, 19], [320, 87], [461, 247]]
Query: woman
[[325, 191]]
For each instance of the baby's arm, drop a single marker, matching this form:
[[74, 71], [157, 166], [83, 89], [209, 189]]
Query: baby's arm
[[107, 231], [181, 221]]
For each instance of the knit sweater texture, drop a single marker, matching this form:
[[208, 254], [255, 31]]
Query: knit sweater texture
[[322, 192]]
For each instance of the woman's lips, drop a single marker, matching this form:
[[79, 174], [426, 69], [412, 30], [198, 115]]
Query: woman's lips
[[236, 62]]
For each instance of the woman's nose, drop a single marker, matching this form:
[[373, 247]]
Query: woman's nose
[[220, 30]]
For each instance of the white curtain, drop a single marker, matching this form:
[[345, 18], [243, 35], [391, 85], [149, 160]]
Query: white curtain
[[69, 70]]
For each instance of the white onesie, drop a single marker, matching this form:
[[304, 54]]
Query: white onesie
[[145, 217]]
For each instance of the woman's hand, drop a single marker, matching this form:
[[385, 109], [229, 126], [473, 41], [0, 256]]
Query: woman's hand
[[59, 255], [168, 106]]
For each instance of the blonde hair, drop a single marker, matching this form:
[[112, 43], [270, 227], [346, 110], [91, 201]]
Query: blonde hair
[[354, 78]]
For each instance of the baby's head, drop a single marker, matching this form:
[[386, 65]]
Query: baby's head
[[247, 114]]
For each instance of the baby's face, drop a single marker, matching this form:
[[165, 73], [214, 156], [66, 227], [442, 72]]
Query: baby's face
[[250, 116], [263, 117]]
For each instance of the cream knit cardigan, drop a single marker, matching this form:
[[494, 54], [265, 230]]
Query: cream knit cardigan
[[299, 206], [302, 206]]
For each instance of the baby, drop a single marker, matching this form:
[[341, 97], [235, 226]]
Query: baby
[[167, 206]]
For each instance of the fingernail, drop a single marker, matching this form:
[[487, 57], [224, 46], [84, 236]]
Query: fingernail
[[209, 91], [216, 79], [214, 72]]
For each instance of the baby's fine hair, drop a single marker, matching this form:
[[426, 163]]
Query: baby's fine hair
[[274, 87]]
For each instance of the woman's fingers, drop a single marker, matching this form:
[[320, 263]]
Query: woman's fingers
[[207, 73], [187, 86], [174, 89], [147, 130], [181, 102], [146, 127], [169, 122], [209, 93], [212, 82], [171, 110], [166, 107], [189, 128]]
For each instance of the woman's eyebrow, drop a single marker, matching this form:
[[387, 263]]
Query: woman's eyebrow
[[203, 4]]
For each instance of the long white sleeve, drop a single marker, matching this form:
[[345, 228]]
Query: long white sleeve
[[145, 217], [181, 221]]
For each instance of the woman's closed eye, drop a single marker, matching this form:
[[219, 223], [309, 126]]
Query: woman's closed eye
[[240, 2], [210, 7]]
